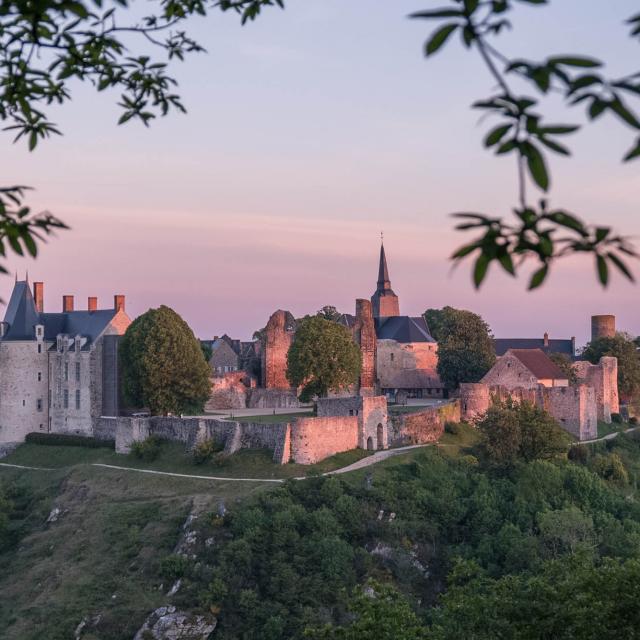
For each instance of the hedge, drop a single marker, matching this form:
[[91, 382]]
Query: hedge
[[68, 440]]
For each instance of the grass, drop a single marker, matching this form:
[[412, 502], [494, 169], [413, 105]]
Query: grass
[[271, 418], [605, 429]]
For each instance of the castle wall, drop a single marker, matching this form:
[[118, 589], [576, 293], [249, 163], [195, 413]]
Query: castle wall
[[272, 399], [475, 399], [408, 366], [603, 377], [574, 408], [228, 392], [603, 327], [23, 398], [509, 372], [314, 439], [365, 336], [423, 426], [279, 334]]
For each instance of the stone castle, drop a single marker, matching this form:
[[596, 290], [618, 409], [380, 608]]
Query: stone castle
[[58, 370]]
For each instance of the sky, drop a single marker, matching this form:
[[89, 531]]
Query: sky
[[308, 133]]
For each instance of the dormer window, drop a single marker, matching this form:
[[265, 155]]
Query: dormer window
[[78, 343], [39, 332], [60, 344]]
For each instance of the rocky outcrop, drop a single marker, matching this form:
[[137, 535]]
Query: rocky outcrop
[[167, 623]]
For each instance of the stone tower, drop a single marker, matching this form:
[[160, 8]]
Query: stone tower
[[603, 327], [384, 301], [365, 335]]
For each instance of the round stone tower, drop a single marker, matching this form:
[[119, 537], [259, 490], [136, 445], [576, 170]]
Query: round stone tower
[[474, 400], [603, 327]]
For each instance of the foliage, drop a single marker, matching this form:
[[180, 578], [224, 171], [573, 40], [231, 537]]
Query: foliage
[[465, 345], [616, 418], [204, 451], [163, 367], [174, 566], [520, 431], [611, 467], [565, 364], [624, 349], [329, 312], [323, 357], [540, 233], [68, 440], [147, 449], [380, 612], [207, 351]]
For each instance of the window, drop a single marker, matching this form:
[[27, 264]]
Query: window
[[39, 348], [350, 412], [391, 357], [49, 398], [66, 398], [23, 402], [41, 427], [77, 398], [39, 404], [39, 376], [77, 372], [66, 371]]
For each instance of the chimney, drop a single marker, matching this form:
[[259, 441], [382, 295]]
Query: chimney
[[92, 303], [546, 339], [38, 296], [67, 303], [573, 345], [118, 302]]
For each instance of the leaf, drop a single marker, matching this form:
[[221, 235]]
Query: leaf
[[617, 106], [554, 146], [597, 107], [537, 166], [507, 263], [438, 38], [559, 129], [621, 266], [496, 135], [437, 13], [603, 269], [602, 233], [575, 61], [464, 251], [634, 152], [480, 270], [538, 277]]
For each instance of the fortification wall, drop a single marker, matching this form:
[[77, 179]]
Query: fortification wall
[[314, 439], [510, 373], [573, 407], [279, 334], [228, 392], [407, 365], [104, 428], [603, 377], [272, 399], [423, 426], [603, 326], [364, 334], [475, 399]]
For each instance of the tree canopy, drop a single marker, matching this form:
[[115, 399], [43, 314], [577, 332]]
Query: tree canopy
[[163, 366], [323, 357], [623, 347], [465, 346]]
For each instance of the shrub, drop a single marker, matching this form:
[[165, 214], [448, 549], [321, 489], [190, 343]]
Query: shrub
[[174, 566], [147, 450], [204, 451], [616, 418], [611, 467], [578, 454], [633, 420], [68, 440], [453, 428]]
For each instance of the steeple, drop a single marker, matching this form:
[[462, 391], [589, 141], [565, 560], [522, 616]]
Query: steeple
[[384, 300]]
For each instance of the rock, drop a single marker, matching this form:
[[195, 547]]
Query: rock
[[166, 623], [54, 515], [176, 586]]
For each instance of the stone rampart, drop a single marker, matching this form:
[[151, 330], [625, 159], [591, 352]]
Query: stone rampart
[[314, 439], [272, 399], [104, 428], [603, 377], [573, 407], [228, 392], [423, 426]]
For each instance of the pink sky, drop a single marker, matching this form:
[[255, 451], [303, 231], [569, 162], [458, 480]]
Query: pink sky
[[272, 191]]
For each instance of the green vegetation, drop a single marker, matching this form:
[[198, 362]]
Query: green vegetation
[[68, 440], [163, 367], [465, 346], [565, 364], [623, 347], [322, 358], [274, 418]]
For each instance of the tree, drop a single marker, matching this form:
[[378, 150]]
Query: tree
[[513, 431], [323, 357], [163, 366], [207, 352], [623, 347], [329, 312], [565, 364], [541, 233], [465, 346]]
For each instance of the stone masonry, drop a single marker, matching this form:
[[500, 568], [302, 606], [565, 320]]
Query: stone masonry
[[279, 334], [603, 377]]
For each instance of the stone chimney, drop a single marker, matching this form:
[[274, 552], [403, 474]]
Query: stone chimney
[[67, 303], [92, 304], [38, 296], [573, 345], [118, 302], [546, 339]]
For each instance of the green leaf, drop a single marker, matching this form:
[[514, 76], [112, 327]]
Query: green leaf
[[554, 146], [538, 277], [537, 166], [602, 233], [575, 61], [438, 38], [437, 13], [622, 267], [634, 152], [496, 135], [464, 251], [507, 263], [618, 107], [596, 108], [603, 269], [480, 270], [559, 129]]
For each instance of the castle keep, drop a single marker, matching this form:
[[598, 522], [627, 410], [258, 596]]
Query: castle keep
[[58, 371]]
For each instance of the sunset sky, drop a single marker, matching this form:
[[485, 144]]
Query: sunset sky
[[308, 132]]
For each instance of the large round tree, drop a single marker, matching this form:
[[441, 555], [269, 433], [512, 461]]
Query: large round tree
[[322, 358], [163, 367], [465, 346]]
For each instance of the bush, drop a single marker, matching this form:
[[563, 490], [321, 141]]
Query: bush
[[616, 418], [611, 467], [633, 420], [147, 450], [204, 451], [174, 567], [67, 440], [578, 454], [453, 428]]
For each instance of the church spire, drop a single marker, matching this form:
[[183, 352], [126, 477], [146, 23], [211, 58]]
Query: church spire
[[383, 271], [384, 301]]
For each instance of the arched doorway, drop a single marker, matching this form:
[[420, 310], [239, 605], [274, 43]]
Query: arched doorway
[[380, 436], [370, 443]]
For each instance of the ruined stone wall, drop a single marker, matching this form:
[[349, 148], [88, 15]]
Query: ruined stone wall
[[423, 426], [228, 392], [474, 400], [104, 427], [573, 407], [314, 439], [603, 377], [364, 334], [410, 365], [272, 399], [279, 334], [23, 398], [510, 373]]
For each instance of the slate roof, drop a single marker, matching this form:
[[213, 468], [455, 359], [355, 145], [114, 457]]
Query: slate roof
[[411, 379], [403, 329], [22, 317], [503, 345], [539, 363]]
